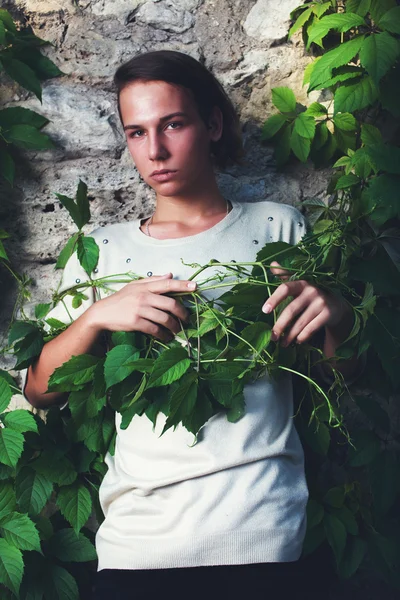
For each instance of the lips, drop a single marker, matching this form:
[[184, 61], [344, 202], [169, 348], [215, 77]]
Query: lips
[[164, 175], [162, 171]]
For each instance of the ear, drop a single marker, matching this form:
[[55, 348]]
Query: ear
[[215, 124]]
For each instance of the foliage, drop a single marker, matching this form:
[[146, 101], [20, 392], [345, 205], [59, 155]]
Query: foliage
[[356, 72]]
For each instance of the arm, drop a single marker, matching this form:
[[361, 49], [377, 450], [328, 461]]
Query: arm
[[138, 306]]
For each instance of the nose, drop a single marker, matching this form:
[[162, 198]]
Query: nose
[[156, 146]]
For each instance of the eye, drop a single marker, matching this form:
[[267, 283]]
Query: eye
[[175, 123], [133, 134]]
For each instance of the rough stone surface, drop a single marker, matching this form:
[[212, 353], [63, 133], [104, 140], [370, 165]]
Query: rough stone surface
[[268, 21]]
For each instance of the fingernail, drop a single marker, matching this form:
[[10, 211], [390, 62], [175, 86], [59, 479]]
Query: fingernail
[[267, 308], [192, 285], [274, 336]]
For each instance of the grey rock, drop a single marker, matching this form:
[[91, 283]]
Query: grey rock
[[162, 16], [268, 21]]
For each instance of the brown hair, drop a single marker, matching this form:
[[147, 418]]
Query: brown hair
[[181, 69]]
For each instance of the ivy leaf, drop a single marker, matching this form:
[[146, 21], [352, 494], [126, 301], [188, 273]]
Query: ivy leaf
[[183, 399], [27, 137], [340, 75], [378, 54], [82, 202], [7, 499], [352, 557], [383, 332], [11, 446], [282, 146], [169, 367], [284, 99], [316, 110], [88, 253], [385, 158], [379, 8], [23, 75], [20, 531], [67, 251], [341, 22], [41, 310], [236, 409], [257, 334], [335, 496], [33, 490], [336, 535], [347, 518], [11, 566], [300, 21], [315, 513], [370, 135], [118, 364], [59, 584], [7, 19], [345, 121], [384, 192], [7, 169], [347, 181], [337, 57], [17, 115], [75, 504], [301, 146], [355, 96], [56, 467], [359, 7], [374, 412], [304, 125], [391, 20], [367, 447], [5, 394], [73, 374], [20, 420], [272, 126], [67, 546]]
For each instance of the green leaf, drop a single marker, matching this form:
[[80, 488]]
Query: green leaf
[[169, 367], [67, 251], [316, 110], [73, 374], [345, 121], [17, 115], [60, 585], [367, 447], [20, 420], [340, 22], [75, 504], [183, 399], [88, 253], [41, 310], [28, 137], [377, 416], [72, 208], [337, 57], [359, 7], [362, 163], [55, 467], [272, 126], [11, 566], [20, 531], [67, 546], [304, 125], [385, 158], [301, 146], [352, 557], [336, 535], [236, 409], [11, 446], [391, 20], [347, 518], [383, 332], [82, 202], [7, 499], [282, 146], [7, 169], [355, 96], [383, 474], [384, 192], [284, 99], [7, 19], [315, 513], [335, 496], [320, 9], [347, 181], [370, 135], [5, 394], [33, 490], [390, 91], [3, 253], [257, 334], [23, 75], [379, 8], [378, 54], [20, 329], [300, 21], [118, 364], [313, 539], [340, 75]]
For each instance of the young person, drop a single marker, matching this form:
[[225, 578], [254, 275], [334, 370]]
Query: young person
[[228, 514]]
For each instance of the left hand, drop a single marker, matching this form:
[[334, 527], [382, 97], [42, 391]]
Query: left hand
[[310, 309]]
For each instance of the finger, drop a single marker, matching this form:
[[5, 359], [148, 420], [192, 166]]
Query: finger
[[146, 326], [166, 286], [300, 325], [161, 318], [290, 288], [170, 305], [279, 271], [288, 315], [311, 328], [152, 278]]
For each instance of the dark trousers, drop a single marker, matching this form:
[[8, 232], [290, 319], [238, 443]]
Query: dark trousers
[[264, 581]]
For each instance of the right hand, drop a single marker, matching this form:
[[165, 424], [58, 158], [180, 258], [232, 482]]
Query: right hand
[[142, 306]]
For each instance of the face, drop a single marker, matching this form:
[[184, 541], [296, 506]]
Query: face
[[159, 139]]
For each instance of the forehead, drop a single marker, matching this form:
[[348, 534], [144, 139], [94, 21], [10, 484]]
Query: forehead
[[145, 102]]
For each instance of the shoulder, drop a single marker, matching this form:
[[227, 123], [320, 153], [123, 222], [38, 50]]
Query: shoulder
[[116, 231], [276, 210]]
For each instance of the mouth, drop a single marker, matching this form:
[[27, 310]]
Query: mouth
[[163, 175]]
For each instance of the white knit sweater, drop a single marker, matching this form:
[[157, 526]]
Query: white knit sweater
[[239, 495]]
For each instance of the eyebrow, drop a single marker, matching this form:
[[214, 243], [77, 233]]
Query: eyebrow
[[165, 118]]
